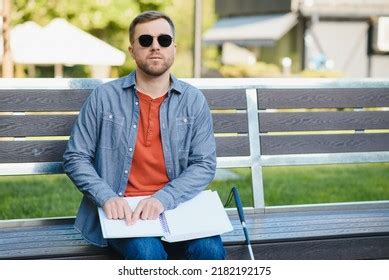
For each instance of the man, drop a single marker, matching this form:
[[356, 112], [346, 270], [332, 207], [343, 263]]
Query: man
[[144, 134]]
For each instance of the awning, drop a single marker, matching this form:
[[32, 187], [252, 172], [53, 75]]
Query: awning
[[60, 42], [262, 30]]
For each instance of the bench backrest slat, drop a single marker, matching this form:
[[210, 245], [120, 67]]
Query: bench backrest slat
[[48, 100], [226, 98], [309, 144], [61, 125], [322, 98], [36, 125], [230, 123], [232, 146], [31, 151], [38, 100], [52, 150], [314, 121]]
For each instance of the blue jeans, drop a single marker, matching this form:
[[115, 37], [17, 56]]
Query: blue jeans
[[153, 248]]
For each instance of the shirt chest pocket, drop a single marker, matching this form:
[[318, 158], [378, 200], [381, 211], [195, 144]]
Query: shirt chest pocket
[[111, 129], [184, 132]]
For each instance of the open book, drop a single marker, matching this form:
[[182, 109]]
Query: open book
[[202, 216]]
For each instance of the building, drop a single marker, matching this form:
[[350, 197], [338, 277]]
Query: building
[[349, 36]]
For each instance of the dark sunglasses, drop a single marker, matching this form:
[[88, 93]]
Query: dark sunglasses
[[164, 40]]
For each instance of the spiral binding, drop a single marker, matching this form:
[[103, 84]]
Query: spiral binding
[[163, 221]]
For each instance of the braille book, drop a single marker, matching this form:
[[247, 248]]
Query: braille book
[[202, 216]]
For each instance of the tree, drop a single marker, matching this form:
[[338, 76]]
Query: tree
[[109, 21]]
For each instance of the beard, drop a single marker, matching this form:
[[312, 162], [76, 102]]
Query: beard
[[155, 69]]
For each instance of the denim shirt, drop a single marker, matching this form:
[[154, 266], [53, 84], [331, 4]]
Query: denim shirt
[[99, 153]]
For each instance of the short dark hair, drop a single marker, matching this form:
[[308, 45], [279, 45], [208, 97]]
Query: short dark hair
[[147, 17]]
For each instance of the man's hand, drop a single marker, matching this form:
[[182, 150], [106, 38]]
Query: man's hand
[[148, 209], [118, 208]]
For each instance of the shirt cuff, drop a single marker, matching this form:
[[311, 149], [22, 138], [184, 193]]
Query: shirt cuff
[[102, 196], [166, 199]]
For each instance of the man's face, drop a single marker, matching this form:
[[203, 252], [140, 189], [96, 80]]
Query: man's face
[[154, 60]]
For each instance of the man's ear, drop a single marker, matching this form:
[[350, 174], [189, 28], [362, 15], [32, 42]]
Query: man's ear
[[131, 51]]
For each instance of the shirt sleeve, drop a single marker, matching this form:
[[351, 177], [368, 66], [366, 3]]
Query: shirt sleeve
[[80, 153]]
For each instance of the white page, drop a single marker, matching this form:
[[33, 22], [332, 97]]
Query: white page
[[119, 228], [202, 216]]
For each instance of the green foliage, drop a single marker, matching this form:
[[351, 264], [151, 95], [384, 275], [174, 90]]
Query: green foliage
[[109, 21], [156, 5], [105, 19]]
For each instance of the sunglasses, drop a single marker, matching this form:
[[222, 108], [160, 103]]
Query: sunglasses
[[164, 40]]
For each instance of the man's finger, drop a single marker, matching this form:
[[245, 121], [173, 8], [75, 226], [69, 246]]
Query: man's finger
[[128, 214], [108, 212], [120, 211], [114, 213], [145, 212], [137, 212], [155, 214]]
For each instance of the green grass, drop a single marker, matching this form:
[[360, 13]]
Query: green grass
[[55, 195], [37, 196], [314, 184]]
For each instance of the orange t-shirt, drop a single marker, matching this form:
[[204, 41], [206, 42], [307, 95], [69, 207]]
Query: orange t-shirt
[[148, 171]]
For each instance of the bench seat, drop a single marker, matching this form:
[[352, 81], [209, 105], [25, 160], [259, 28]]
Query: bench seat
[[324, 234]]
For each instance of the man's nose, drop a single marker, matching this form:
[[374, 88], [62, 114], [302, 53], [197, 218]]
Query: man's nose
[[155, 45]]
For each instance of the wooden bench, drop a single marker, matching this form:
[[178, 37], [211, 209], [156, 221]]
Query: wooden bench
[[248, 114]]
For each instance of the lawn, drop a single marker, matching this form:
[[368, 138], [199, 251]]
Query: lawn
[[55, 195]]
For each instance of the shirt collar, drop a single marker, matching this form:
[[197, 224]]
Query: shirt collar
[[176, 87]]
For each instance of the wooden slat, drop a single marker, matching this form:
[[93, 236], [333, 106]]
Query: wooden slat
[[269, 225], [336, 143], [323, 98], [103, 254], [263, 231], [36, 125], [226, 98], [311, 121], [56, 223], [281, 227], [21, 100], [55, 251], [229, 123], [374, 247], [40, 242], [61, 125], [52, 151], [31, 151], [232, 146], [23, 234]]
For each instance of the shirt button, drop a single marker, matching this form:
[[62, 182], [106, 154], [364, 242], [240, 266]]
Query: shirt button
[[136, 103], [130, 149], [134, 126], [185, 120], [120, 194], [110, 116], [126, 171]]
